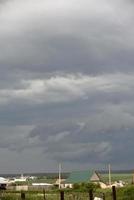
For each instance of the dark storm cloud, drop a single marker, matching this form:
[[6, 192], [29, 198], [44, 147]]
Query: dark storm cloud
[[92, 38], [72, 118], [66, 82], [87, 142]]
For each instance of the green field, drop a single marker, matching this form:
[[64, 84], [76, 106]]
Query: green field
[[126, 193], [127, 178]]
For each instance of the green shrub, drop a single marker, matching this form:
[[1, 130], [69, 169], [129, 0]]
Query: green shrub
[[128, 193], [85, 186]]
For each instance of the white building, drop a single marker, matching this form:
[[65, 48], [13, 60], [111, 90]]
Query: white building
[[3, 183]]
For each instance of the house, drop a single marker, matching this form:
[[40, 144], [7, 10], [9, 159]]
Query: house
[[3, 183], [59, 182], [20, 179], [37, 186], [80, 177]]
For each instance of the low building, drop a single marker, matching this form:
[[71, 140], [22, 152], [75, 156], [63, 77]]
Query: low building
[[20, 179], [80, 177], [46, 186], [3, 183]]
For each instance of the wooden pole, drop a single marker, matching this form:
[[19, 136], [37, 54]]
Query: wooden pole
[[103, 196], [44, 194], [114, 192], [91, 194], [61, 195], [22, 196]]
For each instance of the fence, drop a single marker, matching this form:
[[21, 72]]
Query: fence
[[63, 195], [94, 196]]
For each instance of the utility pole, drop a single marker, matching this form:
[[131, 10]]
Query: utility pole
[[59, 175], [133, 178], [109, 169]]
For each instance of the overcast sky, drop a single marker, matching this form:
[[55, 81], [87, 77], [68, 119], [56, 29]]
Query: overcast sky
[[66, 85]]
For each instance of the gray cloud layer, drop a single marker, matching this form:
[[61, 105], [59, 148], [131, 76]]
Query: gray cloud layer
[[66, 84]]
